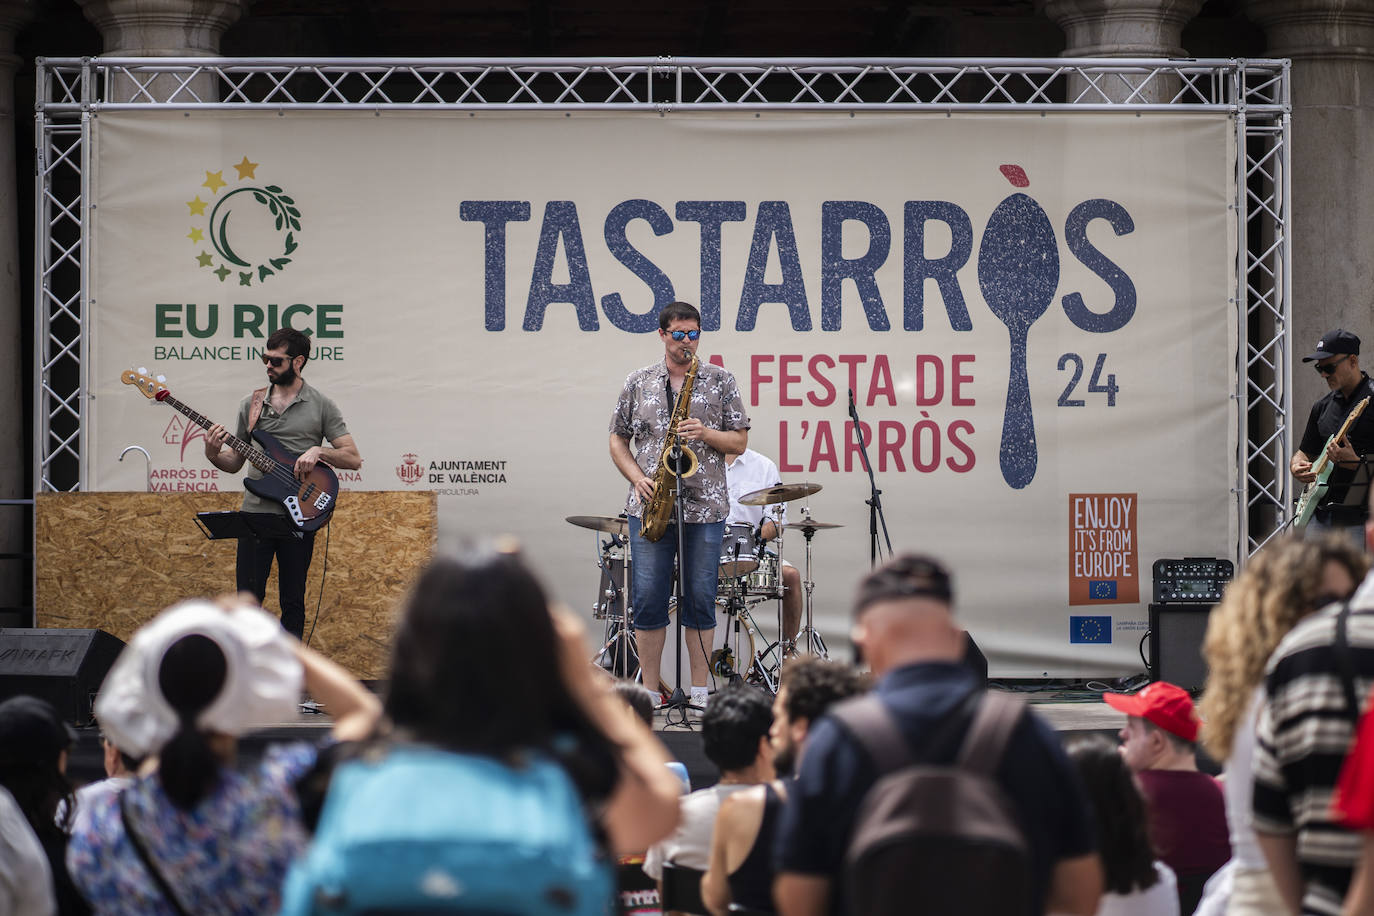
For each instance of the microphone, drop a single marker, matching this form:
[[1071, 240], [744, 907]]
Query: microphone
[[853, 410]]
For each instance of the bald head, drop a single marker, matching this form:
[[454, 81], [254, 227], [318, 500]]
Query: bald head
[[893, 632], [903, 614]]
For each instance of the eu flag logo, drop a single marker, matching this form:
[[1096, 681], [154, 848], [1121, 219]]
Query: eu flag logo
[[1102, 589], [1090, 629]]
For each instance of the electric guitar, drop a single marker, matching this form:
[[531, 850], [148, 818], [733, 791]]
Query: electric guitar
[[308, 502], [1316, 489]]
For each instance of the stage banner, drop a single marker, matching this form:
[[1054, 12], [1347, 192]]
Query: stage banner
[[1034, 314]]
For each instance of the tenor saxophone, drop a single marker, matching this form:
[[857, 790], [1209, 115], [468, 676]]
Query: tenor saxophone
[[659, 510]]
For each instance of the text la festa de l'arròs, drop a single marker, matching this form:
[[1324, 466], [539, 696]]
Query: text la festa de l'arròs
[[1018, 260]]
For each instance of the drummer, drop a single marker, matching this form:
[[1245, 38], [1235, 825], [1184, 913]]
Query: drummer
[[745, 473]]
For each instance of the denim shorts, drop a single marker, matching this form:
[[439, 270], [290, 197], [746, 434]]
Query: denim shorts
[[651, 580]]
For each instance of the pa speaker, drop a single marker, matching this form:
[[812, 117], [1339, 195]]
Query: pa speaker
[[64, 667], [1176, 632], [975, 660]]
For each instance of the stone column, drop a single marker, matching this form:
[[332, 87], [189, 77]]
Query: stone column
[[14, 389], [163, 28], [1122, 28], [1331, 44]]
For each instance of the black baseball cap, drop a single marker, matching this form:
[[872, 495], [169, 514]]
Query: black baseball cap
[[31, 732], [1334, 343]]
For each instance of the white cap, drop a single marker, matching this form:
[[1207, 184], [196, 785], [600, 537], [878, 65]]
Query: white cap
[[262, 678]]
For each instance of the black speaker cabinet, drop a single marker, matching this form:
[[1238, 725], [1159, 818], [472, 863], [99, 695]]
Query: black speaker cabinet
[[974, 659], [1176, 632], [64, 667]]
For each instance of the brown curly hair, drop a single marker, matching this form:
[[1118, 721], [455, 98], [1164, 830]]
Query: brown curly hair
[[1277, 588]]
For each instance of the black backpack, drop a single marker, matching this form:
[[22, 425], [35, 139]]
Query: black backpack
[[941, 839]]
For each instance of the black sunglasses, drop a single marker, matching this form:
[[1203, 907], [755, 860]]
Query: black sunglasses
[[1328, 368], [679, 335], [274, 361]]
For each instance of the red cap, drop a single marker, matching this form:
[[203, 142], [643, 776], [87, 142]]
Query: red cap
[[1166, 705]]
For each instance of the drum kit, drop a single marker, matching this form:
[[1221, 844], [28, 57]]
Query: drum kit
[[750, 574]]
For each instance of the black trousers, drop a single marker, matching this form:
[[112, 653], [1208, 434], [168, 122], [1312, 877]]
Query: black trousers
[[292, 553]]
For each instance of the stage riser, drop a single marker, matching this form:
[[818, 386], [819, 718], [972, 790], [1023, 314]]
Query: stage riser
[[85, 762]]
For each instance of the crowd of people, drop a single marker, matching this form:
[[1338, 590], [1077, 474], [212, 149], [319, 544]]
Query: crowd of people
[[906, 788]]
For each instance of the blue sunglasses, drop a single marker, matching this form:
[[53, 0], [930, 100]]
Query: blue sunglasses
[[681, 335]]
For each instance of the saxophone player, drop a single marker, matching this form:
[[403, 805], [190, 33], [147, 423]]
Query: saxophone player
[[712, 425]]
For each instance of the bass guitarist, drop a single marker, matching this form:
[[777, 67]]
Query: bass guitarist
[[1337, 358], [301, 418]]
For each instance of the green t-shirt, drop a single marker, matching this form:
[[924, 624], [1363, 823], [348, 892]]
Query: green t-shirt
[[306, 422]]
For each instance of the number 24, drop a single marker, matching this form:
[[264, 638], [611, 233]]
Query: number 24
[[1094, 383]]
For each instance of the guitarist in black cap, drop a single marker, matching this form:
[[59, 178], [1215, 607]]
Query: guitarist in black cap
[[302, 419], [1337, 358]]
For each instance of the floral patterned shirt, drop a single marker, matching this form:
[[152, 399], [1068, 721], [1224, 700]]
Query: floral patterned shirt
[[227, 856], [642, 415]]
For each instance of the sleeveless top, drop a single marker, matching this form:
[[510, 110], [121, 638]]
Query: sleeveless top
[[751, 885]]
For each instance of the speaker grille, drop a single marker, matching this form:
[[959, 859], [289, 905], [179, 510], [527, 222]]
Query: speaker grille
[[1176, 633]]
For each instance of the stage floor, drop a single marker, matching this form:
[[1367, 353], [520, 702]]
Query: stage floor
[[1068, 718]]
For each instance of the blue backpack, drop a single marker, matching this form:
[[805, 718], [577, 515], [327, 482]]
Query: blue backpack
[[422, 830]]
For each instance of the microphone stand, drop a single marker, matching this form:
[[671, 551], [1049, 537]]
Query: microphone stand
[[678, 702], [874, 501]]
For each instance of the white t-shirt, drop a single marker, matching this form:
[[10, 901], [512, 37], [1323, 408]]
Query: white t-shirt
[[1160, 899], [749, 472], [1239, 789], [89, 794], [691, 844], [25, 877]]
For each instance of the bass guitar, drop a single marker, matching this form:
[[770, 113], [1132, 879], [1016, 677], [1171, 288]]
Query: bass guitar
[[308, 501], [1322, 467]]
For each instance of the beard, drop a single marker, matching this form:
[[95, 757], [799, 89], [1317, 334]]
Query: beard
[[785, 760], [286, 377]]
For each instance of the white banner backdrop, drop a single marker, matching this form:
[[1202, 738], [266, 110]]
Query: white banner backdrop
[[478, 286]]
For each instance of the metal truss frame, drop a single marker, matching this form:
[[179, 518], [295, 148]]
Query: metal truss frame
[[1255, 93]]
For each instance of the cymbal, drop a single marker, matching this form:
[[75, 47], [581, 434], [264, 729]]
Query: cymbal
[[600, 523], [783, 492], [812, 523]]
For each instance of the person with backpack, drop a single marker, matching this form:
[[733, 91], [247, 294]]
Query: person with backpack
[[511, 777], [931, 795]]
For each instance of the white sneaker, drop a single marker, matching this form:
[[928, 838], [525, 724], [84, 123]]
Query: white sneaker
[[700, 697]]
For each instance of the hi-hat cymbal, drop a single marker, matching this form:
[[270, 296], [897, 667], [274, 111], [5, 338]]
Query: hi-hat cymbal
[[783, 492], [600, 523], [812, 523]]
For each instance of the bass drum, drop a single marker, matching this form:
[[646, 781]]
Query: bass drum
[[732, 648]]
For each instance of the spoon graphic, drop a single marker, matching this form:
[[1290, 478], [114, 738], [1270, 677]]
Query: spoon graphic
[[1018, 273]]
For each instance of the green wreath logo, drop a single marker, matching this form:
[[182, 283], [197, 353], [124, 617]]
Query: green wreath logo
[[257, 244]]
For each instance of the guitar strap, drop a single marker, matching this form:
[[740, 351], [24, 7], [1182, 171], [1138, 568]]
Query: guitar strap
[[255, 408]]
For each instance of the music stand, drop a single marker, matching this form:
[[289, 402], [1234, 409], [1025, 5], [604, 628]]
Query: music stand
[[1355, 498], [1357, 488], [219, 526]]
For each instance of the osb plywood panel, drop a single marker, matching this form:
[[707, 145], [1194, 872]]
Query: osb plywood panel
[[113, 560]]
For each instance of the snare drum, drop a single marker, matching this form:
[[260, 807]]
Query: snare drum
[[766, 581], [738, 551]]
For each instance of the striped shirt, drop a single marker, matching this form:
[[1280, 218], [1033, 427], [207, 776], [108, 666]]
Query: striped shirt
[[1305, 730]]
